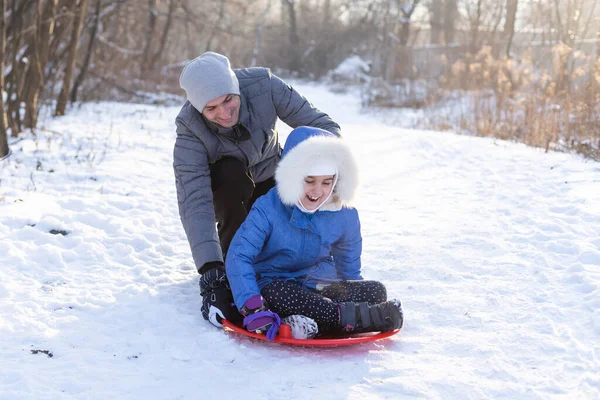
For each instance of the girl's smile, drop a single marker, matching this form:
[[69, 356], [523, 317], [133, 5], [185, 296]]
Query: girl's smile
[[316, 190]]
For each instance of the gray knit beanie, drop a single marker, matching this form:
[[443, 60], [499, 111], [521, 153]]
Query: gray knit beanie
[[208, 77]]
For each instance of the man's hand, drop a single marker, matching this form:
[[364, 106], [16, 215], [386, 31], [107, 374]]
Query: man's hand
[[217, 300]]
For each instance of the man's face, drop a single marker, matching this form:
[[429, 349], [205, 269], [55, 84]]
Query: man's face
[[223, 111]]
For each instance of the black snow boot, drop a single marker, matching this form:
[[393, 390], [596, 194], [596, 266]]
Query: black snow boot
[[365, 317]]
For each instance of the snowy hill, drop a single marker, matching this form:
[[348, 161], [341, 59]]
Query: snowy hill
[[493, 247]]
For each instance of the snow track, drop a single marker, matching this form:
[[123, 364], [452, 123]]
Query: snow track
[[493, 248]]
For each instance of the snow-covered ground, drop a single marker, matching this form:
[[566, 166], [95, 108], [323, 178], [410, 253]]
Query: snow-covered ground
[[493, 247]]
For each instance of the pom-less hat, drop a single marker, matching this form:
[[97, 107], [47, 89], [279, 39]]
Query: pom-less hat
[[310, 151], [321, 169], [208, 77]]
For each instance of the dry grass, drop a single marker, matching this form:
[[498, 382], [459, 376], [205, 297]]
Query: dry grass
[[556, 108]]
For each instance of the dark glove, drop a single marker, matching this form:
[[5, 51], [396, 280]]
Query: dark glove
[[258, 318], [211, 265], [217, 300]]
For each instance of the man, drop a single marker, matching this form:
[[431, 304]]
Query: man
[[225, 156]]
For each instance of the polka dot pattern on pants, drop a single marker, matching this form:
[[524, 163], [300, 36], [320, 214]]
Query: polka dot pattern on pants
[[290, 298]]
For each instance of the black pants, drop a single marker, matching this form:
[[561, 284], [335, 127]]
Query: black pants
[[289, 298], [234, 193]]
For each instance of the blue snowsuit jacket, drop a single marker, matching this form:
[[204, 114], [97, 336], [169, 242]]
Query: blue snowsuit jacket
[[279, 241]]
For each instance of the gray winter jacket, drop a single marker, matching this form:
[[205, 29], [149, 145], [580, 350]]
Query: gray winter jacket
[[264, 98]]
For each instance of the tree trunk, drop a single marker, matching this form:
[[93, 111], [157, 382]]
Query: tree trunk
[[326, 13], [40, 46], [564, 36], [88, 54], [152, 18], [406, 16], [217, 26], [509, 24], [15, 84], [598, 52], [450, 16], [192, 20], [258, 35], [475, 24], [592, 17], [294, 62], [435, 21], [165, 34], [405, 13], [61, 103], [3, 119], [404, 32]]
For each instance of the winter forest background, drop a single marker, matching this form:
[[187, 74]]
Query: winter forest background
[[515, 69]]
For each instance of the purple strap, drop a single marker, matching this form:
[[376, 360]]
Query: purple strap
[[261, 314]]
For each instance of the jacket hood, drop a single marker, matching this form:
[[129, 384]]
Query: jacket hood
[[307, 146]]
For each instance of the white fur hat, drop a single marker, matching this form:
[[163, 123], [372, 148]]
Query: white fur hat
[[310, 152]]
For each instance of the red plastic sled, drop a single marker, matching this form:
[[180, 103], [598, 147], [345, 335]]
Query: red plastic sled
[[285, 337]]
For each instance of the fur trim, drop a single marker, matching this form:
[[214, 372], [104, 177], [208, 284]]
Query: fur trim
[[292, 168]]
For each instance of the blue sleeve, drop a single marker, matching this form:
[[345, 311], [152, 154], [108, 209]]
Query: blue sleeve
[[347, 251], [245, 247]]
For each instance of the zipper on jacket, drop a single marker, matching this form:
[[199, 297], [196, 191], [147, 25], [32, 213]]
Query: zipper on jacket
[[303, 242]]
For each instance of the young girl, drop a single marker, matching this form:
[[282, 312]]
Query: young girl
[[298, 251]]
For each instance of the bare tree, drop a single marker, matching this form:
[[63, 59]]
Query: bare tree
[[258, 35], [294, 40], [509, 23], [597, 66], [436, 18], [61, 103], [217, 25], [590, 11], [483, 19], [15, 80], [40, 46], [326, 12], [165, 34], [442, 20], [568, 19], [88, 55], [450, 20], [3, 119], [475, 22], [152, 20], [407, 8], [401, 21]]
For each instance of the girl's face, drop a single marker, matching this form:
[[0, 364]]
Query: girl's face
[[316, 190]]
